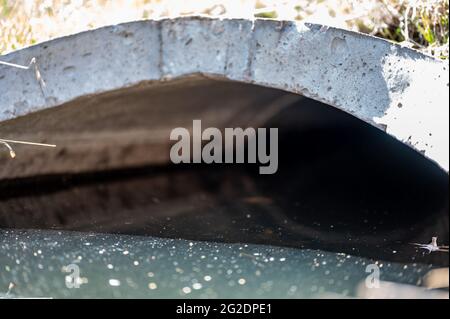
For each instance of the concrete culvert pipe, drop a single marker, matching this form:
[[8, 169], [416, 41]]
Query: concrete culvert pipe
[[379, 82], [363, 142]]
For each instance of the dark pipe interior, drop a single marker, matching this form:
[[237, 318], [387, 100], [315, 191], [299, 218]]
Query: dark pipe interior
[[341, 186]]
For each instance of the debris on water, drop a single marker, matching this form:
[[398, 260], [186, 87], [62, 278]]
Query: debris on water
[[431, 247], [10, 288], [114, 282]]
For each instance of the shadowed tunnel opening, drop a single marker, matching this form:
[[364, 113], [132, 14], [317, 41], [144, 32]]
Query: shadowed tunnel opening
[[341, 185]]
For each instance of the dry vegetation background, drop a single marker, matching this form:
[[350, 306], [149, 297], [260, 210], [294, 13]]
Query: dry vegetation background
[[421, 24]]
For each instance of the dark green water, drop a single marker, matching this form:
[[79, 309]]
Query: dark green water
[[148, 267]]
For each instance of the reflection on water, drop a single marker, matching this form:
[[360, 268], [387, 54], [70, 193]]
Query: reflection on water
[[225, 205]]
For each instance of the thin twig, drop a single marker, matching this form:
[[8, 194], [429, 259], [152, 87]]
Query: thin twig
[[41, 82], [27, 143], [11, 150], [37, 73], [406, 22]]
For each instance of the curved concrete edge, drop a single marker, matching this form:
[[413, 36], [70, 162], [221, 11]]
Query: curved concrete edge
[[396, 89]]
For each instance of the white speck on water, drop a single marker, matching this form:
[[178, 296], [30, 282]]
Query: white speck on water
[[186, 290], [207, 278], [110, 266], [241, 281], [136, 263], [197, 286], [150, 274], [179, 270], [152, 286], [282, 259], [114, 282], [125, 252]]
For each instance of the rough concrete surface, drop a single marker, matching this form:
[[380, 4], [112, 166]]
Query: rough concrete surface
[[396, 89]]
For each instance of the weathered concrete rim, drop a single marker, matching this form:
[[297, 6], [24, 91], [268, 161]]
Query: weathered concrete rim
[[382, 83]]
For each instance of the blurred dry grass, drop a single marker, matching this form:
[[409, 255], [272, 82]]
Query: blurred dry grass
[[421, 24]]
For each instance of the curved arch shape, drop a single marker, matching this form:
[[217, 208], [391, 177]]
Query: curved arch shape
[[379, 82]]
